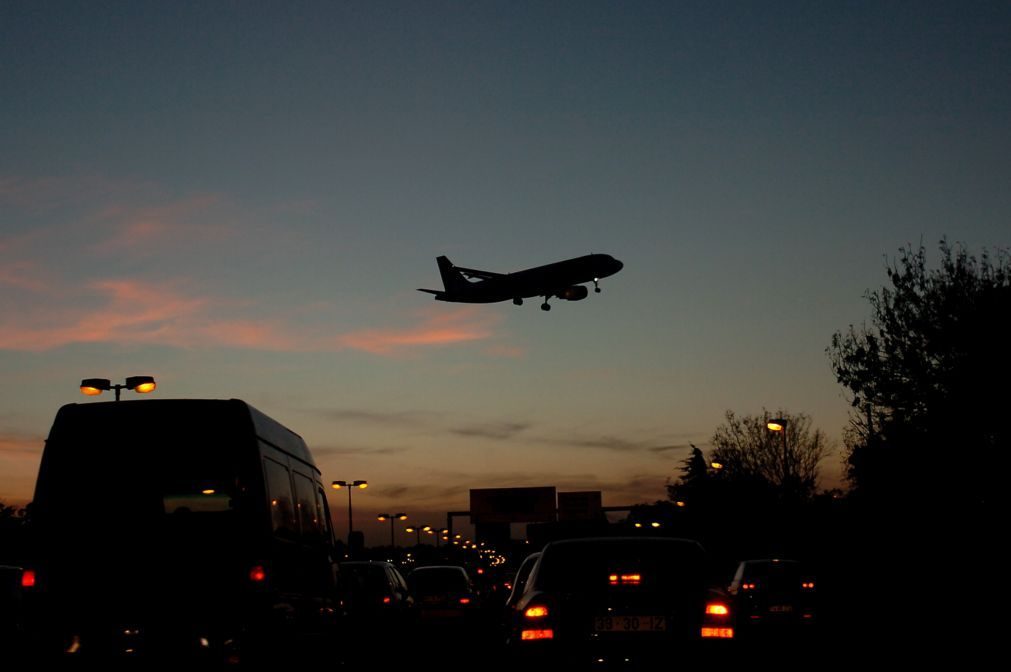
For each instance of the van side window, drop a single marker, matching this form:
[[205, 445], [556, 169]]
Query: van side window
[[282, 510], [305, 503], [323, 513]]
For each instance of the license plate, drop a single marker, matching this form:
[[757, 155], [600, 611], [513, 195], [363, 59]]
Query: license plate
[[780, 608], [631, 623]]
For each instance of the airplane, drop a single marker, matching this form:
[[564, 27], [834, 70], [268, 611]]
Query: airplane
[[562, 279]]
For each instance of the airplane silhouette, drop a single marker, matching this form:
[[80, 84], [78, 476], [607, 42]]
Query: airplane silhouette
[[562, 279]]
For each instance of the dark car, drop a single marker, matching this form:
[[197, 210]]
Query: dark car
[[616, 601], [377, 593], [443, 592], [772, 595]]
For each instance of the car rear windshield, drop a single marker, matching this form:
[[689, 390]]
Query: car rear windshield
[[594, 566], [438, 581]]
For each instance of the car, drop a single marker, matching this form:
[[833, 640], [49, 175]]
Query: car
[[377, 593], [180, 528], [520, 580], [615, 601], [443, 593], [772, 595]]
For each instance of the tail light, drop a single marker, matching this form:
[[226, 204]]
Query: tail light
[[533, 635], [624, 579], [807, 585], [536, 611], [387, 599], [717, 609], [28, 578], [748, 586], [464, 600], [257, 574], [717, 633]]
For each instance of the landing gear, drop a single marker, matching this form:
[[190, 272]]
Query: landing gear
[[518, 301], [596, 287], [545, 305]]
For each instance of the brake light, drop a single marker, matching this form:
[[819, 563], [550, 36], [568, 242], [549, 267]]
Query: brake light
[[624, 579], [464, 600], [257, 574], [28, 578], [807, 585], [717, 633], [531, 635], [717, 609], [538, 611], [387, 599], [747, 586]]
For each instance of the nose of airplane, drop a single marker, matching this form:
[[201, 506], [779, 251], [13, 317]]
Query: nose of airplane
[[616, 265]]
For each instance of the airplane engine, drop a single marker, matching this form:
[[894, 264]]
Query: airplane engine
[[574, 293]]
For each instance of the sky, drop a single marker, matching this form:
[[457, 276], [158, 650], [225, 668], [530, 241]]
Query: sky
[[241, 199]]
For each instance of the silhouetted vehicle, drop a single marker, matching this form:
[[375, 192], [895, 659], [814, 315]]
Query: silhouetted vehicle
[[520, 580], [615, 602], [377, 593], [443, 592], [772, 594], [10, 608], [179, 528]]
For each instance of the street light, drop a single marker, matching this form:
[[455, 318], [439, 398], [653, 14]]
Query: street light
[[779, 425], [392, 517], [418, 529], [350, 485], [93, 387]]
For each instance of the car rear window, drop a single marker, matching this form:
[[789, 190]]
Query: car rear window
[[438, 581], [602, 565]]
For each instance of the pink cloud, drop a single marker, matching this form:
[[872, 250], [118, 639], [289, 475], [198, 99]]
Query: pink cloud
[[148, 228], [145, 313], [459, 326]]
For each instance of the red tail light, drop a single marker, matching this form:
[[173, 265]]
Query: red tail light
[[717, 633], [531, 635], [807, 585], [624, 579], [257, 574], [28, 578], [464, 600], [747, 586], [537, 611], [717, 609], [387, 599]]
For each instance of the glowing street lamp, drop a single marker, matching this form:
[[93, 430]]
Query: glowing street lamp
[[779, 425], [392, 517], [350, 485], [418, 529], [93, 387]]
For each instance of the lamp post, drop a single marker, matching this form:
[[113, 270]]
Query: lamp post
[[93, 387], [392, 517], [418, 529], [779, 425], [350, 485]]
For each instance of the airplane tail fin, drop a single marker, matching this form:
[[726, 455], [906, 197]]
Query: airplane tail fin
[[452, 279]]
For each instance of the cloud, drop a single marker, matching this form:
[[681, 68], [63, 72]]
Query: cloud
[[356, 450], [500, 431], [150, 313], [20, 447], [441, 328], [670, 449], [382, 418]]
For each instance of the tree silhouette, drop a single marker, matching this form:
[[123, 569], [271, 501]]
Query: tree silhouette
[[782, 464], [929, 377]]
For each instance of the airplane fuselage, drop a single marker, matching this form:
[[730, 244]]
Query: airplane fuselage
[[560, 279]]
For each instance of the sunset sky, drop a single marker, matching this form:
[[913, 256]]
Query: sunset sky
[[242, 198]]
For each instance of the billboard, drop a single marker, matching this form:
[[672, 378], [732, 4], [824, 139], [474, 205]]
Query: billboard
[[512, 505], [579, 506]]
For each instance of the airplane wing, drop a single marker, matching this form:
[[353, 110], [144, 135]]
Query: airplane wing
[[475, 273]]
